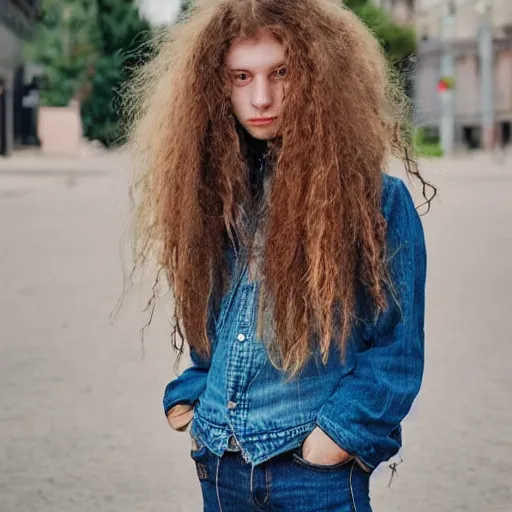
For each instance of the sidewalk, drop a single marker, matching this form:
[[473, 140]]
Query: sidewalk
[[28, 171], [31, 162], [476, 163]]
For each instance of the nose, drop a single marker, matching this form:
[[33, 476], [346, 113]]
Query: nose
[[262, 94]]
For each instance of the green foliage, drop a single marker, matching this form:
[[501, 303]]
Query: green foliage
[[121, 26], [100, 118], [123, 37], [355, 4], [426, 147], [87, 48], [185, 8], [63, 45], [398, 41]]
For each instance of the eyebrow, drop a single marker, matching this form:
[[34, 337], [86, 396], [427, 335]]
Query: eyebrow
[[247, 70]]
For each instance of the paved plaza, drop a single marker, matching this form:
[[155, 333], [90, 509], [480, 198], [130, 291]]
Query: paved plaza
[[81, 422]]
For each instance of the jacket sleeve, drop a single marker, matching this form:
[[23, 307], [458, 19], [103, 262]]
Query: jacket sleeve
[[363, 415], [187, 388]]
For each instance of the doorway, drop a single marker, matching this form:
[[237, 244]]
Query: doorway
[[506, 134], [471, 136]]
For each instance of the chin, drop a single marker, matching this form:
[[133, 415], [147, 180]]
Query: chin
[[261, 133]]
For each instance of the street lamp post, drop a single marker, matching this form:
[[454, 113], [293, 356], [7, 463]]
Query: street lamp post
[[486, 53], [448, 72]]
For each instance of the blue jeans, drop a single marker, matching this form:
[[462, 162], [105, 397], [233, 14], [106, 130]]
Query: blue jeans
[[285, 483]]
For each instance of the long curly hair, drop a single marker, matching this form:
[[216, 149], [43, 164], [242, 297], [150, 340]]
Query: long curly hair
[[324, 231]]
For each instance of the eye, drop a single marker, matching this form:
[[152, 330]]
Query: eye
[[241, 77], [281, 72]]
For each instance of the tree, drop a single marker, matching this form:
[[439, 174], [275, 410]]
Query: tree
[[63, 45], [398, 41], [122, 38]]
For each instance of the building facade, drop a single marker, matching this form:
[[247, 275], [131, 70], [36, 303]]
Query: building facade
[[463, 38], [17, 18]]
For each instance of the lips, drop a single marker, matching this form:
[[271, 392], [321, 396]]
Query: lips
[[261, 121]]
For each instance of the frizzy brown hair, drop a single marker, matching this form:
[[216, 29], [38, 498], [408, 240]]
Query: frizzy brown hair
[[324, 232]]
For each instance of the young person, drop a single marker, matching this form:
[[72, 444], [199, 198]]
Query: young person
[[297, 266]]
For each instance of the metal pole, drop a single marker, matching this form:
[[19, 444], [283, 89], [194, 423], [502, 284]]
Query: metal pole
[[448, 71], [486, 50]]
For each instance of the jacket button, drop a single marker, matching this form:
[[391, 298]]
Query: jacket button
[[231, 405], [241, 337]]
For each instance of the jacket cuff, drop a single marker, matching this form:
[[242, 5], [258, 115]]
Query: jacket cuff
[[183, 392], [170, 405]]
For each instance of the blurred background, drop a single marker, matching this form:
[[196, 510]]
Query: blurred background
[[81, 421]]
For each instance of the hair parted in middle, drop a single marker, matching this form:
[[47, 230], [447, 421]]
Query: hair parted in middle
[[324, 230]]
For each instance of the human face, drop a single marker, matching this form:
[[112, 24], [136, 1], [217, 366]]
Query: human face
[[257, 72]]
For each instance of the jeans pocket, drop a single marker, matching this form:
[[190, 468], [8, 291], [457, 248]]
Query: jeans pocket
[[198, 450], [199, 454], [301, 461]]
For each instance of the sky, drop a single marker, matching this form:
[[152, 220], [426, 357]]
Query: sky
[[160, 11]]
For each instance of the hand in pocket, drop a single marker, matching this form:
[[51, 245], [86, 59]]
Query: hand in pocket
[[320, 449], [180, 416]]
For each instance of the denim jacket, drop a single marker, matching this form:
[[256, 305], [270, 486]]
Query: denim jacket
[[359, 404]]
